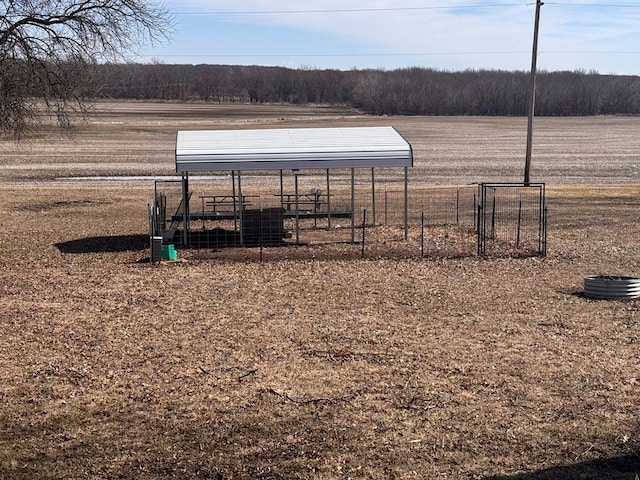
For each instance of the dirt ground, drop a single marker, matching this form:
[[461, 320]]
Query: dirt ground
[[320, 365]]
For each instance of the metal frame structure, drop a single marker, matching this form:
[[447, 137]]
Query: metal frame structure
[[294, 149]]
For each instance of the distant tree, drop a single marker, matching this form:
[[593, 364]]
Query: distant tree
[[47, 47], [369, 92], [407, 91]]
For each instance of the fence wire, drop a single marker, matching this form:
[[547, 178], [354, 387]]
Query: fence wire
[[485, 219], [512, 219]]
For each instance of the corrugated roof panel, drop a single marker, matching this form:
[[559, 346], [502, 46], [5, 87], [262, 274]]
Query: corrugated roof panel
[[283, 149]]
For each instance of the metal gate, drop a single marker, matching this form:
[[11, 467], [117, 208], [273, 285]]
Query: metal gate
[[512, 218]]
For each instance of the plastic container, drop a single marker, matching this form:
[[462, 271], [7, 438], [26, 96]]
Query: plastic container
[[169, 252]]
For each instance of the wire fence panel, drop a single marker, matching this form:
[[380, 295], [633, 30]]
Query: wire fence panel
[[454, 205], [512, 219], [365, 215]]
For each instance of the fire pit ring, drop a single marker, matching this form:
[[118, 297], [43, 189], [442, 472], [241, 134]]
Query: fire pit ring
[[611, 287]]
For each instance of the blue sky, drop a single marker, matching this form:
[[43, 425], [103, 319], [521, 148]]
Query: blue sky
[[451, 35]]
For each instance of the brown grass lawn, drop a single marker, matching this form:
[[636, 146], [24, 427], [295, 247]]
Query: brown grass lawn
[[312, 366]]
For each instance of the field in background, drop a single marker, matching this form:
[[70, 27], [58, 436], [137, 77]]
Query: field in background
[[139, 139], [315, 363]]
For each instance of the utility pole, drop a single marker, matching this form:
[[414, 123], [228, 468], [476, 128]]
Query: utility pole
[[532, 95]]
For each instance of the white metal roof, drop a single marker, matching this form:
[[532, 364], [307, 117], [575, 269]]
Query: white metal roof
[[290, 149]]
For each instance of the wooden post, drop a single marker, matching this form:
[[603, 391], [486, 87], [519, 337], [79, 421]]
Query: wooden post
[[532, 95]]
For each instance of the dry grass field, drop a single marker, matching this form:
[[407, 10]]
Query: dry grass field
[[323, 365]]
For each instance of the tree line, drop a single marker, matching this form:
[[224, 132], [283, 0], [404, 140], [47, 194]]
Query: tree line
[[55, 57], [406, 91]]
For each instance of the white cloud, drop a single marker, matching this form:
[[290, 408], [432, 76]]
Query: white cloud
[[471, 33]]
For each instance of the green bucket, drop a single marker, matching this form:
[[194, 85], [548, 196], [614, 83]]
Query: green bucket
[[169, 252]]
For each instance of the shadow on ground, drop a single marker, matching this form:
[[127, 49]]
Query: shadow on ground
[[105, 244], [618, 468]]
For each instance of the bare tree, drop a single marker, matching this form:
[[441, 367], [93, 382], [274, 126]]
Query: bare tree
[[47, 47]]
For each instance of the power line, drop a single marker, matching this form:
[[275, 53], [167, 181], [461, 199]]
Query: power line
[[399, 54], [349, 10], [398, 9], [598, 5], [319, 55], [525, 3]]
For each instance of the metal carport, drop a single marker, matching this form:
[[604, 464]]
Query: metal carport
[[293, 149]]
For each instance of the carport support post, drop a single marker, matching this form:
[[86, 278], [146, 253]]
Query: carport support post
[[328, 203], [235, 204], [240, 208], [373, 195], [295, 184], [406, 203], [353, 205], [281, 191], [185, 208]]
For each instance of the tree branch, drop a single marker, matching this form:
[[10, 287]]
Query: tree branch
[[46, 45]]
